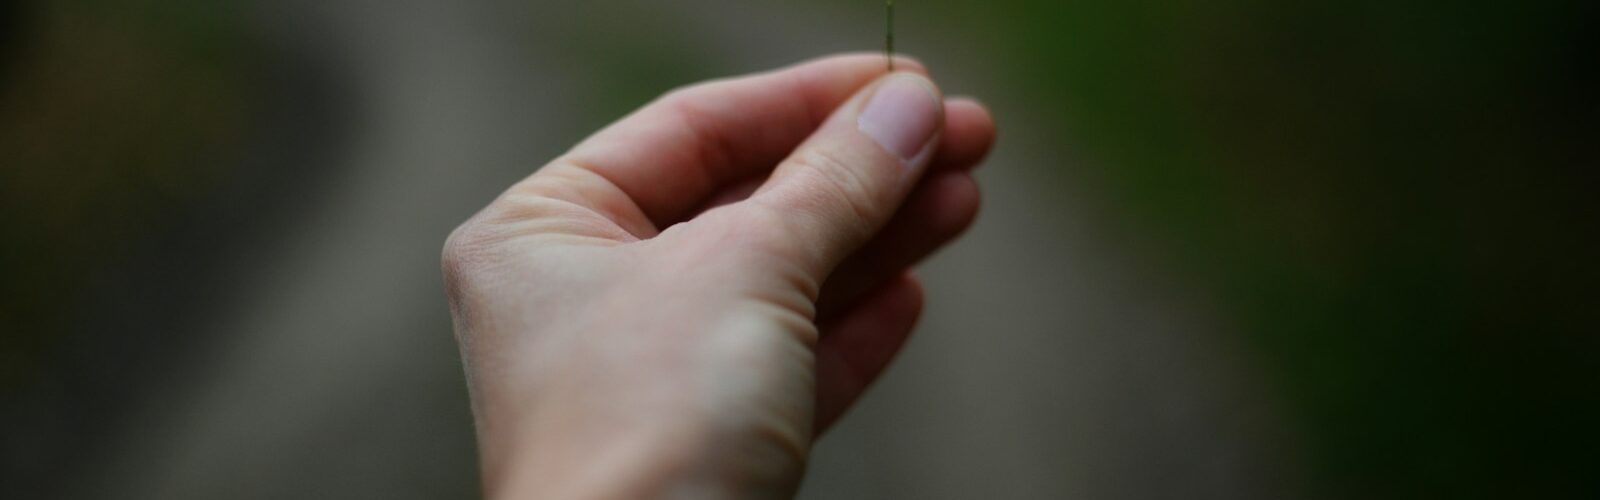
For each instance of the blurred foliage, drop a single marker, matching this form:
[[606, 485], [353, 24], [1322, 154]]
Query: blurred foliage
[[634, 55], [111, 116], [1394, 200]]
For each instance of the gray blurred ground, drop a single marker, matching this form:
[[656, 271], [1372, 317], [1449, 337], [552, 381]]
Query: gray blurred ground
[[1051, 362]]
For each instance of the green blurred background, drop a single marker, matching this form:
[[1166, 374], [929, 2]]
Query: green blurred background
[[1232, 249]]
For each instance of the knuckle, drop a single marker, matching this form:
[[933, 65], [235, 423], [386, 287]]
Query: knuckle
[[843, 192], [689, 93], [780, 247], [465, 249], [781, 226], [478, 245], [680, 92], [714, 87], [550, 203]]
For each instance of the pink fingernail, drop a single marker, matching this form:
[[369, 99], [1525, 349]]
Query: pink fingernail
[[902, 116]]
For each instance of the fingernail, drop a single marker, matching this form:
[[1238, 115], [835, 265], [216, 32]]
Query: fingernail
[[902, 116]]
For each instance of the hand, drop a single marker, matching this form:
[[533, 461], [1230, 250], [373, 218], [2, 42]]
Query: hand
[[678, 305]]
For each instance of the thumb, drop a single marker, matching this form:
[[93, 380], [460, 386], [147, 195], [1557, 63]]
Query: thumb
[[846, 181]]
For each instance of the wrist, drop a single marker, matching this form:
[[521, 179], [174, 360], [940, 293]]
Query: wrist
[[668, 414], [637, 464]]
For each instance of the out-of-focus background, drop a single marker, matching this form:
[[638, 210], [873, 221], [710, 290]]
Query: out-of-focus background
[[1231, 249]]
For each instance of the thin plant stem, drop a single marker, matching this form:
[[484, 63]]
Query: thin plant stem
[[888, 42]]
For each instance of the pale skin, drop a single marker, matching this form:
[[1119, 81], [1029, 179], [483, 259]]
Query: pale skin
[[678, 306]]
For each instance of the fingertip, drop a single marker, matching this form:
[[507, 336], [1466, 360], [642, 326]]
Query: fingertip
[[975, 116], [942, 207], [916, 295], [958, 200], [912, 64], [966, 100], [969, 134]]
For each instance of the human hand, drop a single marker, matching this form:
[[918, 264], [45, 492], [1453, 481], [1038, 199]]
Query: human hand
[[679, 304]]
